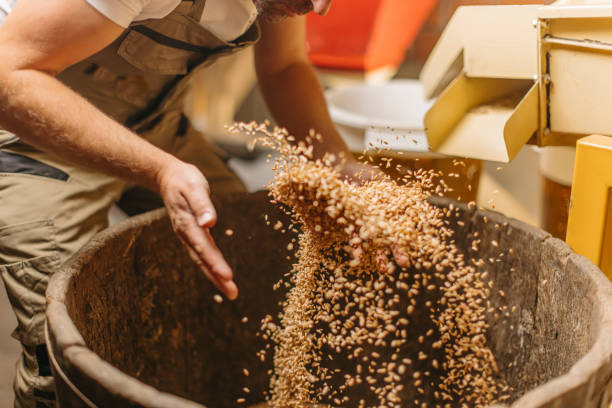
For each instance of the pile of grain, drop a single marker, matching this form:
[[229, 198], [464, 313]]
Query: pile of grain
[[383, 310]]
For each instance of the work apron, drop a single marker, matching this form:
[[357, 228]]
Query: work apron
[[50, 208]]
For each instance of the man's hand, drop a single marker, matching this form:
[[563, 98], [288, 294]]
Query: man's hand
[[358, 172], [185, 192]]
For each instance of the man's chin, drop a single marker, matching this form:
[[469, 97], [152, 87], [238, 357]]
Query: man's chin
[[277, 11], [272, 17]]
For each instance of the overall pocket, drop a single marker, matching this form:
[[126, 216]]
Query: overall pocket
[[28, 257]]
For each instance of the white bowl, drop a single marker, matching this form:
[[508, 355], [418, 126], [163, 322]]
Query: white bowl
[[387, 115]]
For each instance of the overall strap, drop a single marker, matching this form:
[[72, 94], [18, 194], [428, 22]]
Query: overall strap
[[173, 42]]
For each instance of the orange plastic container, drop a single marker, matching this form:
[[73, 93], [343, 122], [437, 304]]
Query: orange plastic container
[[365, 34]]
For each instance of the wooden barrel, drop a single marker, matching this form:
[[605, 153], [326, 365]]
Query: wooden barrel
[[132, 323]]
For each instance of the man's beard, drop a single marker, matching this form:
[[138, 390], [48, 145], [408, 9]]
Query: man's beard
[[274, 10]]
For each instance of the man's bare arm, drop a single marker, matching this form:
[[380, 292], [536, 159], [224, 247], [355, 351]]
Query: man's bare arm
[[290, 85], [294, 95], [41, 38]]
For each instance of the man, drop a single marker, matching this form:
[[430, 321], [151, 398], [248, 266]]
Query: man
[[79, 80]]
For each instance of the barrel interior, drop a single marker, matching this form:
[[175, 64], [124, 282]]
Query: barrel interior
[[142, 306]]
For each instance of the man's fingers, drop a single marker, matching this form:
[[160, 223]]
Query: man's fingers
[[186, 194], [214, 257], [202, 248], [382, 260], [360, 173], [200, 240], [210, 260], [401, 258], [230, 289], [356, 253], [356, 249], [227, 287], [200, 204]]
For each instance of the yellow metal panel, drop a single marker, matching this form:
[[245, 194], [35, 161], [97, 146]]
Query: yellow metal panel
[[580, 92], [560, 139], [501, 42], [469, 117], [484, 41], [606, 253], [588, 228], [594, 29], [479, 135], [594, 8], [523, 123], [565, 47], [444, 56], [575, 57]]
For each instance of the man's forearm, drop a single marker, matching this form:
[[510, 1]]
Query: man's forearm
[[47, 114], [295, 97]]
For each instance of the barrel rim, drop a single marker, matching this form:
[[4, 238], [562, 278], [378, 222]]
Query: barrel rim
[[75, 355]]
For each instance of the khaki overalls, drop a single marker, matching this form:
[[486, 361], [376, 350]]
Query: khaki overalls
[[49, 208]]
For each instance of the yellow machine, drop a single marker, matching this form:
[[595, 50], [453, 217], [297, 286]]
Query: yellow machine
[[505, 76], [589, 230]]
